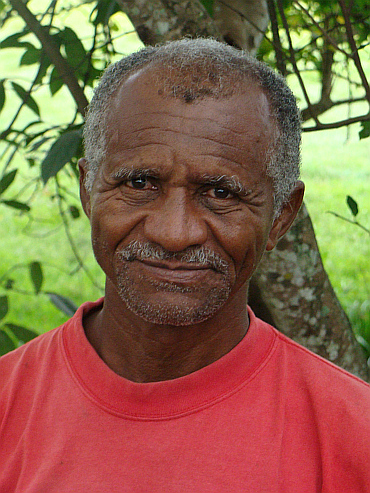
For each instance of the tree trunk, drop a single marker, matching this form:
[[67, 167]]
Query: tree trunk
[[162, 20], [290, 289], [242, 23]]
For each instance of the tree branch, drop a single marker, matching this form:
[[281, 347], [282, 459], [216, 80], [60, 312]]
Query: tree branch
[[356, 223], [323, 31], [338, 124], [347, 21], [293, 61], [276, 41], [71, 240], [51, 49]]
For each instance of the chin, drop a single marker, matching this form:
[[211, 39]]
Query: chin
[[174, 307]]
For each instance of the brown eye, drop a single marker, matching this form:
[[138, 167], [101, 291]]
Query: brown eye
[[138, 183], [221, 193]]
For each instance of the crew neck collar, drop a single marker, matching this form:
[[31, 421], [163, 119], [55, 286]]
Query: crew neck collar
[[171, 398]]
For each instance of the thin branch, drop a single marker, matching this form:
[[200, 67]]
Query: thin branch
[[323, 31], [6, 132], [52, 51], [71, 240], [338, 124], [352, 43], [276, 41], [292, 59], [350, 221]]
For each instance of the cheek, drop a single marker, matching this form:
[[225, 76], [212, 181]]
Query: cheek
[[113, 227], [244, 241]]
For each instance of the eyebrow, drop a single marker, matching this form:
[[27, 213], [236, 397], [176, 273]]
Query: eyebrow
[[130, 173], [232, 183]]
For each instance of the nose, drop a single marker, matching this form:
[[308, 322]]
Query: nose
[[177, 223]]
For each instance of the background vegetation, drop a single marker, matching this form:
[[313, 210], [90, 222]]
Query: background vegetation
[[46, 264]]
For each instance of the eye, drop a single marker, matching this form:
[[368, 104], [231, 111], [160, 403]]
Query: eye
[[221, 193], [138, 183]]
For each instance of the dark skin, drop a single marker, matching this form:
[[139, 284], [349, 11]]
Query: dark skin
[[180, 176]]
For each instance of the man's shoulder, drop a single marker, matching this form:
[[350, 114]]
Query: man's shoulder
[[325, 382]]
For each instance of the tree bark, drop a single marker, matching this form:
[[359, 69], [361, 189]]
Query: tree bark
[[290, 289], [162, 20], [242, 23]]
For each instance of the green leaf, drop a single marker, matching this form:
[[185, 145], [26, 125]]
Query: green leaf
[[75, 51], [104, 10], [361, 340], [4, 306], [37, 144], [352, 204], [60, 153], [44, 65], [31, 56], [365, 132], [7, 180], [6, 344], [36, 276], [21, 333], [63, 304], [55, 82], [12, 41], [75, 211], [26, 98], [9, 284], [2, 94], [208, 4], [16, 205]]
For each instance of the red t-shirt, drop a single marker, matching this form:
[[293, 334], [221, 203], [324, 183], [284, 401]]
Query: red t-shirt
[[267, 417]]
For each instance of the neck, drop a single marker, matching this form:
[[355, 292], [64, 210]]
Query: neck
[[142, 351]]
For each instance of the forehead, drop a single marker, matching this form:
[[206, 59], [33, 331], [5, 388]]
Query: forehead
[[234, 132]]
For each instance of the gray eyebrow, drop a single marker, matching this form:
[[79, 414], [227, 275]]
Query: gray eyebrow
[[132, 172], [231, 182]]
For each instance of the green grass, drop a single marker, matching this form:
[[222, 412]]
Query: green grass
[[334, 167], [44, 240]]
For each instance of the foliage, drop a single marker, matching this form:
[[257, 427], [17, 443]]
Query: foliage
[[62, 48], [354, 209]]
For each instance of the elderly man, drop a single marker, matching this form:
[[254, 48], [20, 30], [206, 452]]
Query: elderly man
[[171, 384]]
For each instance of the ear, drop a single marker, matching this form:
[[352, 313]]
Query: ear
[[84, 194], [286, 217]]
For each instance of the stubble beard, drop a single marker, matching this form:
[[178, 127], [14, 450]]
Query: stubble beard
[[203, 301]]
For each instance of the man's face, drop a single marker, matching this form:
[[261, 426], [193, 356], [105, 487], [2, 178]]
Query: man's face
[[181, 210]]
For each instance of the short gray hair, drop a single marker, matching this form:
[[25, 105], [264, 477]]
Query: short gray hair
[[200, 68]]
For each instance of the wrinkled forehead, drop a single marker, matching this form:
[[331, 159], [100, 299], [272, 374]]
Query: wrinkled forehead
[[155, 86], [237, 132]]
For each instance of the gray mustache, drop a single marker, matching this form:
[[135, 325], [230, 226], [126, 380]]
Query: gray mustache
[[200, 255]]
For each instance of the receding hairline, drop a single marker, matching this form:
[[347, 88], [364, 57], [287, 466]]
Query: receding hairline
[[170, 82]]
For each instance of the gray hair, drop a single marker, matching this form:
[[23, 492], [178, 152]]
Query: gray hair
[[195, 69]]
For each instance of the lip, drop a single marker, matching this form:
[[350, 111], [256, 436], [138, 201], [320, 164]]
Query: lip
[[175, 272], [175, 265]]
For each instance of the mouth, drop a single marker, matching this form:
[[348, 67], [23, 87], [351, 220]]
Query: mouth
[[175, 265], [174, 272]]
